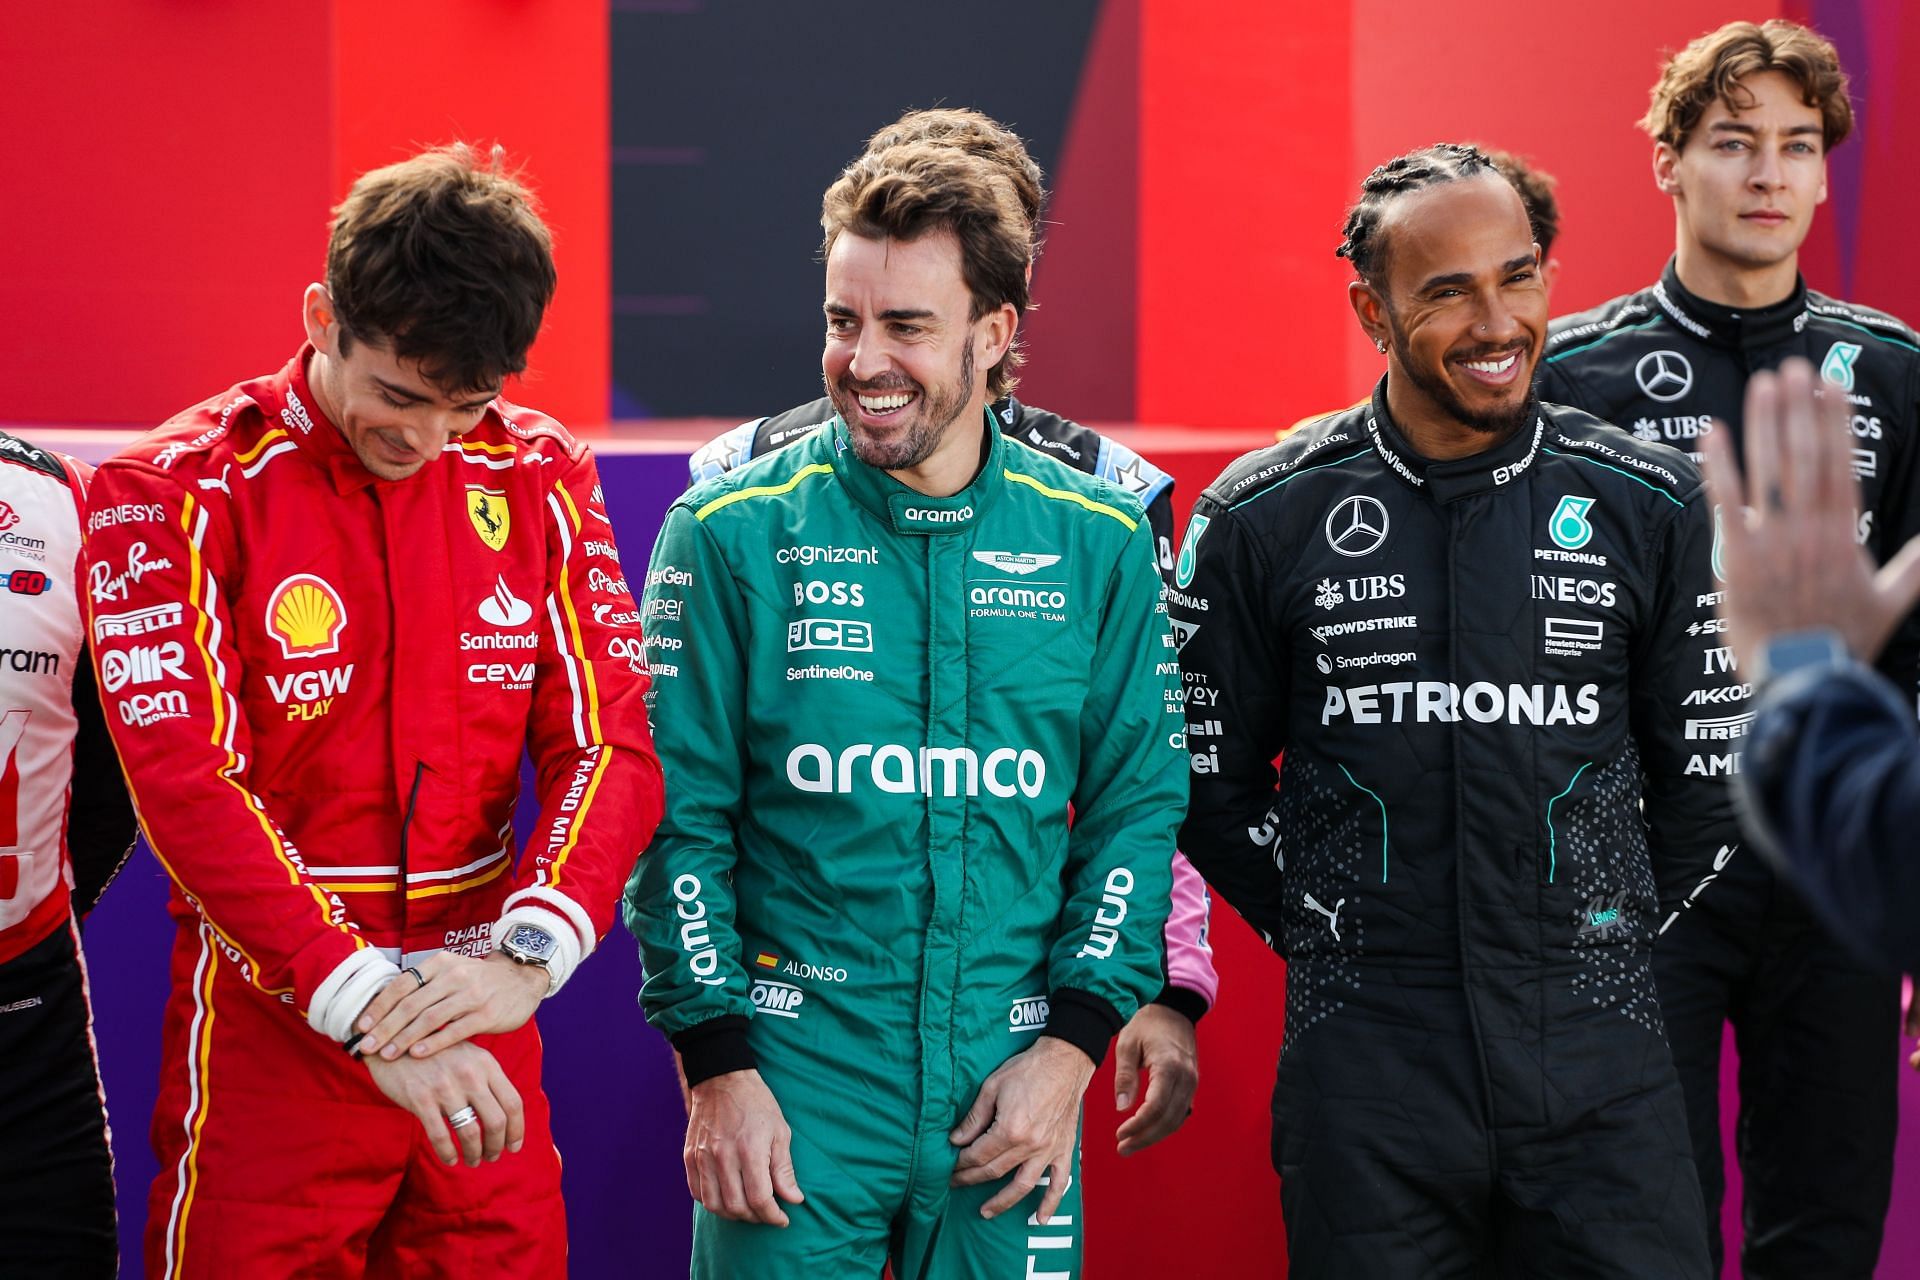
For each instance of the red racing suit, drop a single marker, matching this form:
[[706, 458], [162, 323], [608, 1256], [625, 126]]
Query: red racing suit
[[325, 681]]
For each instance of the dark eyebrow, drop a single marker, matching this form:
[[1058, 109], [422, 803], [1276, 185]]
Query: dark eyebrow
[[399, 392], [1515, 264], [837, 309], [411, 396], [906, 313], [1455, 277]]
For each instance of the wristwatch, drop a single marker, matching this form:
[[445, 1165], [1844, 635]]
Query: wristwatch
[[1782, 655], [530, 944]]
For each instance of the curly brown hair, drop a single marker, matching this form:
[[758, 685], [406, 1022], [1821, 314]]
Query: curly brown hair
[[1713, 66], [443, 259]]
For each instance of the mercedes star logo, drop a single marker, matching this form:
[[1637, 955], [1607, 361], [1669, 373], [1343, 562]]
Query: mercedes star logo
[[1357, 526], [1664, 375]]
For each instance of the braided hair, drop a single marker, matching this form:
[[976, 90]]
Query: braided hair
[[1415, 171]]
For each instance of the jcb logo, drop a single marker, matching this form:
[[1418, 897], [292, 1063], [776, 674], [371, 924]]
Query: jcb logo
[[829, 633]]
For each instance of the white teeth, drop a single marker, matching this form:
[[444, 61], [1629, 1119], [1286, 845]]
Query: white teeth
[[881, 404], [1493, 366]]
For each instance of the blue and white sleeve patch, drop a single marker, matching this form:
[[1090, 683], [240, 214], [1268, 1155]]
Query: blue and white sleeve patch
[[1121, 466], [723, 453]]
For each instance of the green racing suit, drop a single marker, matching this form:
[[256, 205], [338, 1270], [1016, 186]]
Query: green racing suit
[[875, 710]]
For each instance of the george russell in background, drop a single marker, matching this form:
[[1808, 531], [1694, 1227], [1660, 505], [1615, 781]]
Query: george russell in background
[[1742, 121]]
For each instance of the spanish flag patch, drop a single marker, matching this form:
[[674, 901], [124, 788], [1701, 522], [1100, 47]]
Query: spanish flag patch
[[766, 960]]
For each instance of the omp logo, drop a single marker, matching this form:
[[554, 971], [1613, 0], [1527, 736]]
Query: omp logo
[[934, 771], [695, 940], [829, 633], [779, 999], [138, 622], [306, 616], [143, 709], [1107, 919], [1020, 562], [1029, 1013], [1719, 729], [503, 608], [142, 664]]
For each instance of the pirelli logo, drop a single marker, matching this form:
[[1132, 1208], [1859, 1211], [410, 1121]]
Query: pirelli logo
[[1720, 728]]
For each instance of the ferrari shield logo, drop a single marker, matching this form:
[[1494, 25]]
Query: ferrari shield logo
[[487, 510]]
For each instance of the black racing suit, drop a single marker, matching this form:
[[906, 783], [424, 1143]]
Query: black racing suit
[[1818, 1032], [1477, 669]]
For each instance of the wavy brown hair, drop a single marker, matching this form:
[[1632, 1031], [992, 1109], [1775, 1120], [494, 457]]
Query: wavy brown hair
[[1713, 66], [443, 259]]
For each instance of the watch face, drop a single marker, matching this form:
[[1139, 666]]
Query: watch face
[[530, 942]]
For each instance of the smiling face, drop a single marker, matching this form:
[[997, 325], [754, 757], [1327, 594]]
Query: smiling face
[[1747, 181], [1461, 305], [902, 349], [394, 418]]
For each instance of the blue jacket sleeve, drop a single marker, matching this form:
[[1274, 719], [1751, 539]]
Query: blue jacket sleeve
[[1831, 793]]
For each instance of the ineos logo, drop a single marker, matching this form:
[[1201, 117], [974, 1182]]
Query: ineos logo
[[1357, 526], [1664, 375]]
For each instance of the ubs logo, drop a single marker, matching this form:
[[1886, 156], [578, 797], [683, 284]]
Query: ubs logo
[[1664, 375], [1357, 526]]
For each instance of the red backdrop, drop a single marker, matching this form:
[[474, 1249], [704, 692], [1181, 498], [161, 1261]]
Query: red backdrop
[[172, 166]]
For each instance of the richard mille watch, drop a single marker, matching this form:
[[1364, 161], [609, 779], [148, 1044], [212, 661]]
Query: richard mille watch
[[530, 944]]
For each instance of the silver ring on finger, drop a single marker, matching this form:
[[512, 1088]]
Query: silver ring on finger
[[416, 975], [463, 1117]]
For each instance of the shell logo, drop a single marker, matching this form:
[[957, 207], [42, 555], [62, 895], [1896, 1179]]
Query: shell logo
[[306, 615]]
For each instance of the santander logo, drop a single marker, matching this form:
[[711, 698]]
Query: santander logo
[[503, 608]]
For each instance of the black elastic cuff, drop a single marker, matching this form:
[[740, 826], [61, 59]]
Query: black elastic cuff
[[1083, 1020], [1181, 1000], [714, 1048]]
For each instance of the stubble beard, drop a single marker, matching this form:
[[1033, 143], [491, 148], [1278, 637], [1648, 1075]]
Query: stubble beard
[[933, 416], [1497, 423]]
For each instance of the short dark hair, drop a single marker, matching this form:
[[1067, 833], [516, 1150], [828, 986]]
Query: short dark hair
[[443, 259], [1536, 188], [924, 188], [1714, 65], [1432, 166], [978, 134]]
